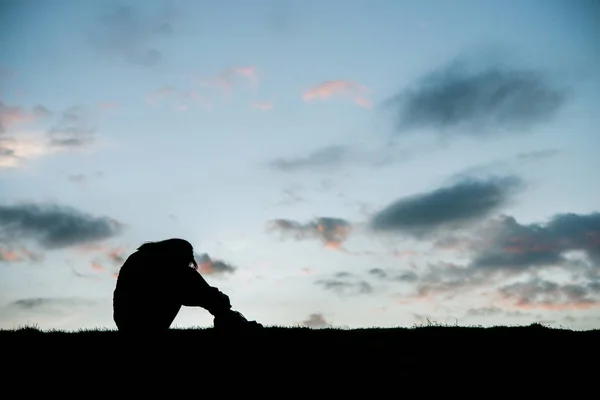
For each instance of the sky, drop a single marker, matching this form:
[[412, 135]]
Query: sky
[[334, 163]]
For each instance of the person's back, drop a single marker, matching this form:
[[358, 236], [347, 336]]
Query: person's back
[[145, 295]]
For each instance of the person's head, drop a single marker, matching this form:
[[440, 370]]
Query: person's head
[[174, 251]]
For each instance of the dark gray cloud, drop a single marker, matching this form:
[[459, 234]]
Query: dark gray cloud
[[84, 178], [537, 155], [331, 231], [292, 195], [72, 130], [133, 35], [38, 302], [4, 152], [543, 294], [511, 245], [209, 266], [484, 311], [330, 158], [447, 280], [492, 312], [504, 249], [460, 100], [345, 283], [54, 226], [78, 178], [320, 159], [400, 276], [447, 207], [316, 320]]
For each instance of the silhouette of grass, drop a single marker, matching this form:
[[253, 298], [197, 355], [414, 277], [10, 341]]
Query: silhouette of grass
[[426, 350]]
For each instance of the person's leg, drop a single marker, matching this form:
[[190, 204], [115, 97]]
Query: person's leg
[[196, 292], [167, 314], [147, 317]]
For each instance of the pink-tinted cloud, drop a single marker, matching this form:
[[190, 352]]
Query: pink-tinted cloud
[[338, 88], [115, 254], [11, 115], [158, 95], [225, 80], [9, 255], [263, 106], [181, 101], [209, 266], [108, 105], [96, 266], [105, 257], [193, 97], [18, 254], [363, 102]]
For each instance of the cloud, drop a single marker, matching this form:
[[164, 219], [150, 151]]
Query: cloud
[[54, 226], [291, 195], [16, 150], [209, 266], [399, 276], [12, 116], [44, 308], [84, 178], [504, 249], [105, 257], [448, 207], [265, 106], [180, 100], [323, 158], [108, 105], [71, 130], [505, 166], [343, 286], [334, 157], [54, 310], [537, 155], [78, 178], [458, 100], [316, 320], [508, 244], [130, 35], [160, 94], [333, 232], [546, 295], [335, 88], [449, 280], [493, 311], [226, 78], [11, 254], [39, 302]]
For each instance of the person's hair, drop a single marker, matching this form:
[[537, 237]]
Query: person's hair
[[170, 248]]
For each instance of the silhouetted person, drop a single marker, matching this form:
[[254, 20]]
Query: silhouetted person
[[157, 280]]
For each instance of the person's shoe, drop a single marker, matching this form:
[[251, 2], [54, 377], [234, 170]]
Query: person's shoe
[[234, 321]]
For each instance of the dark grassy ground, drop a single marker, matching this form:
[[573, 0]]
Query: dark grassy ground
[[415, 354]]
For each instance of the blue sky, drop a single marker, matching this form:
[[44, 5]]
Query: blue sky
[[351, 163]]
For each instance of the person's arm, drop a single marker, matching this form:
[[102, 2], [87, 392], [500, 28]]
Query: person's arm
[[194, 291]]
